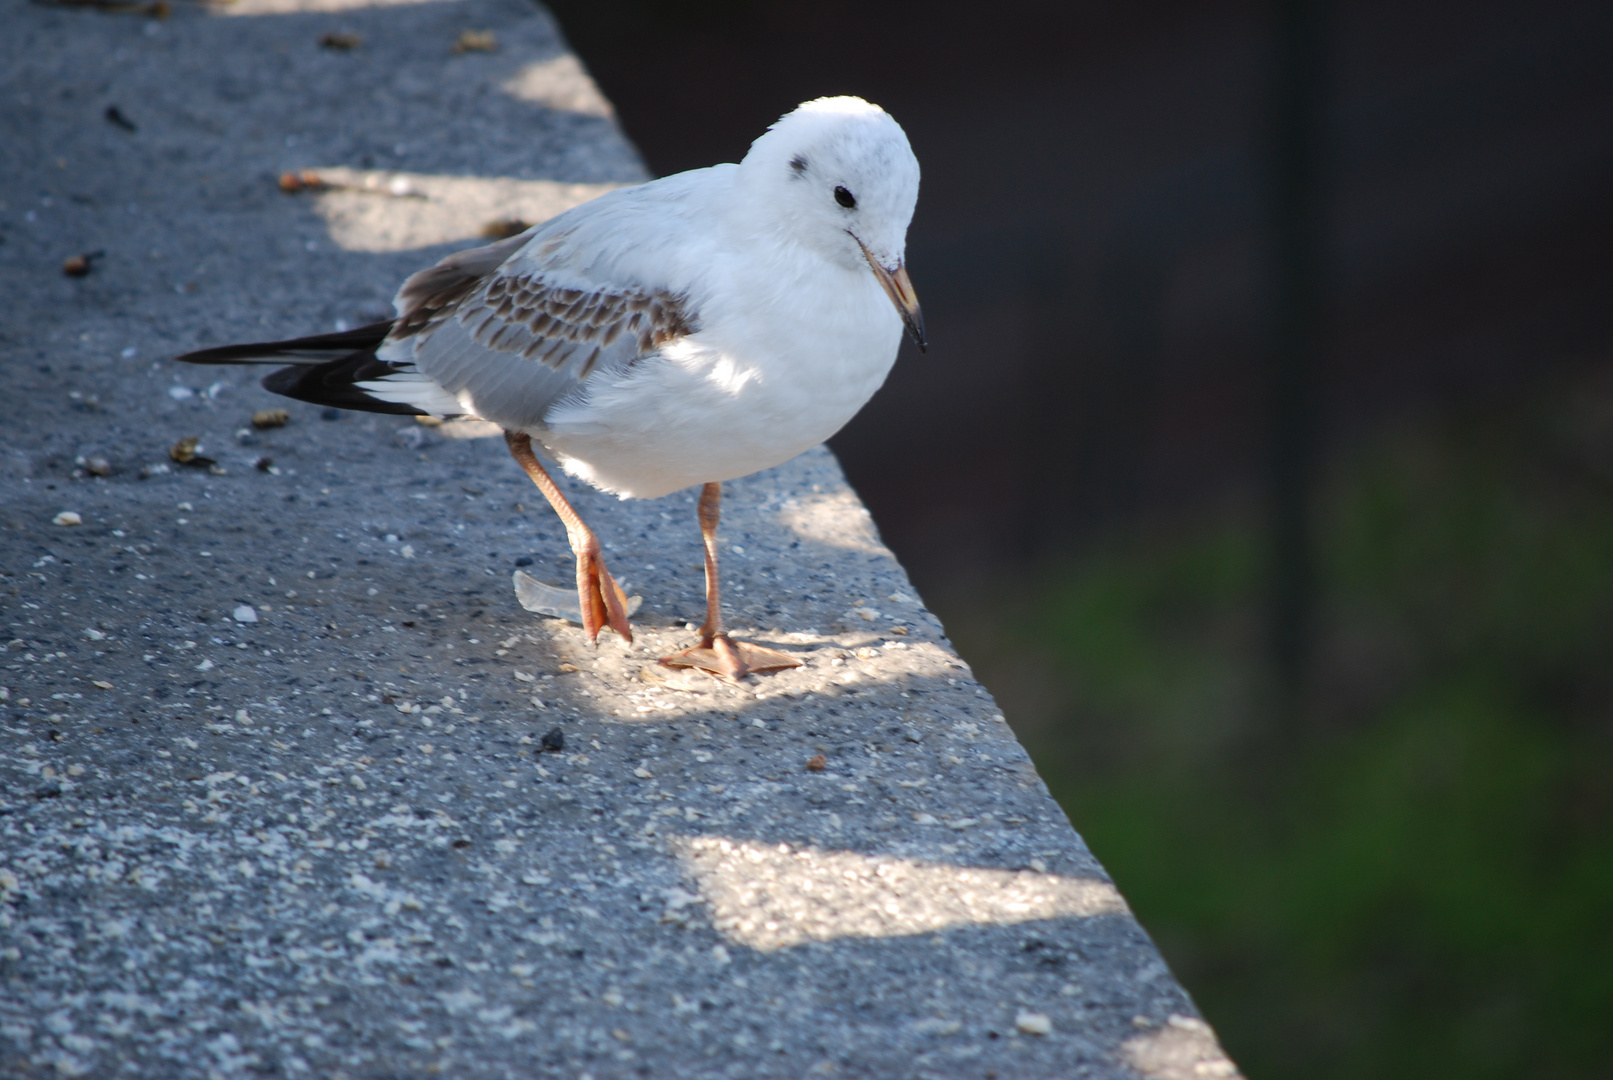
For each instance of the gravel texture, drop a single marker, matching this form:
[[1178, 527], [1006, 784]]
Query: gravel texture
[[289, 783]]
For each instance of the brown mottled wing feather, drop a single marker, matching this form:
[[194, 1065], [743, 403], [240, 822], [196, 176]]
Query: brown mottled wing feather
[[428, 294], [565, 327], [512, 342]]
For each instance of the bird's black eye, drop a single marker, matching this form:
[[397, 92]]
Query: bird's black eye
[[845, 198]]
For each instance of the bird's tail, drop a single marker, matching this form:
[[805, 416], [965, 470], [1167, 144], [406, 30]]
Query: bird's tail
[[325, 369]]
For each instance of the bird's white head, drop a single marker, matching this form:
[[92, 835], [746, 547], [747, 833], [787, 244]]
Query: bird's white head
[[837, 175]]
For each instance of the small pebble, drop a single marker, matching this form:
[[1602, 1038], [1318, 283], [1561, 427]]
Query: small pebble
[[475, 41], [817, 763], [184, 451], [246, 613], [1034, 1023], [307, 180], [98, 466], [67, 517], [553, 741], [270, 418]]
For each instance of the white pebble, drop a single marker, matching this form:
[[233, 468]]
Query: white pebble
[[1034, 1023], [246, 614], [67, 517], [407, 551]]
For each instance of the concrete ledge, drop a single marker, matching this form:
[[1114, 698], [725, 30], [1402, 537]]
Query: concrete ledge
[[275, 797]]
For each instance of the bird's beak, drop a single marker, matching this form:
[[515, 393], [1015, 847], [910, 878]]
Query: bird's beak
[[899, 287]]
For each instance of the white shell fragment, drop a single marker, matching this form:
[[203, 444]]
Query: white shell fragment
[[67, 517], [246, 613], [556, 603]]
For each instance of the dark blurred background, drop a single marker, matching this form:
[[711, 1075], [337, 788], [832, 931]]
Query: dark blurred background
[[1261, 463]]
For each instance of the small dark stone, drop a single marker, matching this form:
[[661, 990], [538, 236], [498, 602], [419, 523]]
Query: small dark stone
[[114, 115], [524, 560], [330, 414], [553, 741]]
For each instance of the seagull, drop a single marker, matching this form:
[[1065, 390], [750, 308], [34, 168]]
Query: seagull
[[690, 330]]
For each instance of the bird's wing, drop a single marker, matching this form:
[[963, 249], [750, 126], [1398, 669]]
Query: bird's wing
[[510, 329]]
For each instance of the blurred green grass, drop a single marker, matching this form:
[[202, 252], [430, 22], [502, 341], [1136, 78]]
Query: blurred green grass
[[1414, 877]]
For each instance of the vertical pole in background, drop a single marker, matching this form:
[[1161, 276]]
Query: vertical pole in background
[[1295, 354]]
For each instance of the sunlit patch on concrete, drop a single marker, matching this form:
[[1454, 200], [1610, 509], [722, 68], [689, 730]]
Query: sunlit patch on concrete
[[837, 519], [662, 693], [558, 83], [1184, 1049], [297, 7], [375, 211], [774, 896]]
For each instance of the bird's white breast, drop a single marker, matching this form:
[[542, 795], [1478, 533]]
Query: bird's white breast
[[786, 354]]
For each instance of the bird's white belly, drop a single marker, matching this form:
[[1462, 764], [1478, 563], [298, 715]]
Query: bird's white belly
[[701, 414]]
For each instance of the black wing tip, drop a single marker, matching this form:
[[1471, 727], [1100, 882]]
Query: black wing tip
[[332, 385], [320, 369], [317, 348]]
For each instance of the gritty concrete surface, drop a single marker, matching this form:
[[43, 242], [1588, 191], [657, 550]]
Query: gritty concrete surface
[[276, 797]]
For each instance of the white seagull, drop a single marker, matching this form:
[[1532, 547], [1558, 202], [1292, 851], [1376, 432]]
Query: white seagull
[[686, 331]]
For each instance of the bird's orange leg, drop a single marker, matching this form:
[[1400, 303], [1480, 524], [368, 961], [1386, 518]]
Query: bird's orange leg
[[601, 599], [717, 652]]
